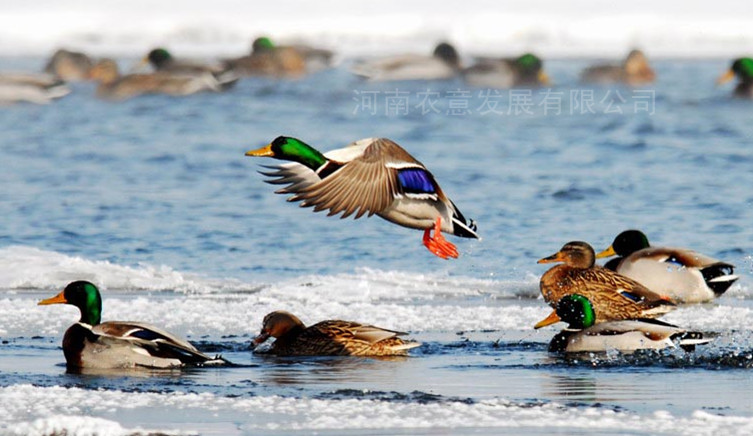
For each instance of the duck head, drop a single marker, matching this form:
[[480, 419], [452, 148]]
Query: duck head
[[83, 295], [742, 68], [448, 54], [576, 310], [291, 149], [531, 69], [158, 57], [576, 254], [278, 324], [625, 244]]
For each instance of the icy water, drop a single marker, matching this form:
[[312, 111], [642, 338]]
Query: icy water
[[153, 200]]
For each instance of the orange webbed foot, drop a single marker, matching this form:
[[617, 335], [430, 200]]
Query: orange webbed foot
[[437, 244]]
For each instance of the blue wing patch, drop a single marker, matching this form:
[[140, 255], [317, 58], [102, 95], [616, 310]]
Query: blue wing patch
[[416, 181], [630, 296]]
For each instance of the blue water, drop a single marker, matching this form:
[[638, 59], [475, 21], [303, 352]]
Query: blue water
[[163, 181]]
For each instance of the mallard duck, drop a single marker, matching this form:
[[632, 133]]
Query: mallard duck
[[615, 297], [115, 87], [524, 71], [683, 275], [119, 344], [31, 87], [267, 59], [743, 69], [329, 338], [634, 71], [584, 335], [161, 60], [444, 63], [70, 66], [369, 176]]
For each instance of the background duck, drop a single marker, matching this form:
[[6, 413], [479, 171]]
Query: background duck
[[685, 276], [119, 344], [115, 87], [31, 87], [329, 338], [524, 71], [584, 335], [742, 68], [162, 60], [70, 66], [267, 59], [613, 296], [634, 71], [444, 63], [369, 176]]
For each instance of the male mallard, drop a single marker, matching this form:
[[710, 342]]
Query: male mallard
[[161, 60], [523, 71], [267, 59], [31, 87], [70, 66], [743, 69], [634, 71], [614, 296], [444, 63], [584, 335], [329, 338], [119, 344], [369, 176], [683, 275], [115, 87]]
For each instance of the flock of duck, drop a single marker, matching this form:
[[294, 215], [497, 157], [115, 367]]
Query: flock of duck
[[176, 77], [610, 307]]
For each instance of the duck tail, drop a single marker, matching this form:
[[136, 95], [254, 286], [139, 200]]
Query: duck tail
[[405, 346], [719, 277], [688, 340], [461, 227]]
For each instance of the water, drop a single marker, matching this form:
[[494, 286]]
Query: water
[[153, 200]]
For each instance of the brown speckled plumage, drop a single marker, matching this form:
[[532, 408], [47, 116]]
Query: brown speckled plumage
[[330, 338]]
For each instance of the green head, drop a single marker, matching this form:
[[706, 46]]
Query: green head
[[743, 68], [159, 57], [292, 149], [529, 62], [577, 311], [262, 43], [629, 242], [83, 295], [447, 53]]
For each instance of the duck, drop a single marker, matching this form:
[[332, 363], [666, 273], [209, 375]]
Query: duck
[[634, 71], [269, 60], [369, 176], [742, 68], [329, 338], [163, 61], [92, 344], [444, 63], [112, 86], [583, 335], [38, 88], [69, 66], [503, 73], [614, 296], [684, 275]]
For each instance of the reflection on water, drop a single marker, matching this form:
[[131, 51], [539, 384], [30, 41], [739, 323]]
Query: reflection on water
[[294, 370]]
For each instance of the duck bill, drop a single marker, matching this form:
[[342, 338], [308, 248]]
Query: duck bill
[[726, 77], [263, 336], [607, 253], [57, 299], [556, 257], [265, 151], [544, 78], [551, 319]]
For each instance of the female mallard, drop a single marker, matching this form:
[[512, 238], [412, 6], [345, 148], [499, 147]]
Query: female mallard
[[634, 71], [31, 87], [523, 71], [584, 335], [119, 344], [743, 69], [683, 275], [70, 66], [329, 338], [161, 60], [115, 87], [444, 63], [370, 176], [614, 296]]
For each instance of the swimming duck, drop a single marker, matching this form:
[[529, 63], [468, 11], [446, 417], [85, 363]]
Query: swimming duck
[[524, 71], [115, 87], [31, 87], [444, 63], [161, 60], [70, 66], [615, 297], [683, 275], [743, 69], [634, 71], [119, 344], [584, 335], [267, 59], [369, 176], [329, 338]]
